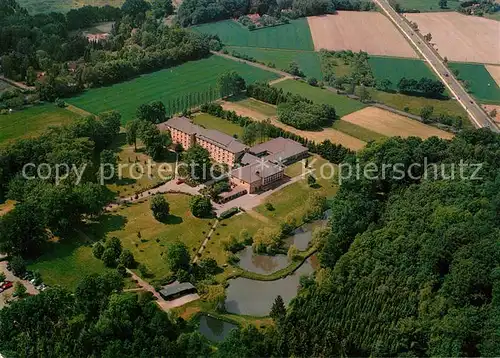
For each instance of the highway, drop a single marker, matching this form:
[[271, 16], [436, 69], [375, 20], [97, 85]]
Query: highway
[[479, 118]]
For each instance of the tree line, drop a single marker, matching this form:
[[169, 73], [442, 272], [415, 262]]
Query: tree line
[[51, 202], [192, 12]]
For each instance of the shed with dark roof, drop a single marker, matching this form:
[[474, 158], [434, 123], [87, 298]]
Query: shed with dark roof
[[176, 290]]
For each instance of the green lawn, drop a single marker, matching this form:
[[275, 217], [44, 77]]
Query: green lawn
[[169, 85], [66, 262], [427, 5], [211, 122], [480, 83], [295, 35], [258, 106], [357, 131], [127, 184], [308, 61], [394, 69], [343, 105], [290, 200], [127, 222], [32, 121]]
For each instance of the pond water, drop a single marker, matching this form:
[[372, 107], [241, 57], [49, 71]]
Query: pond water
[[263, 264], [215, 329], [255, 298]]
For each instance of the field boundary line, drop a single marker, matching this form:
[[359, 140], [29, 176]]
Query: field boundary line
[[258, 65], [77, 110]]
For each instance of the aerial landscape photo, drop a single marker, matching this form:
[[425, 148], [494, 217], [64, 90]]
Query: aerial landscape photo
[[249, 178]]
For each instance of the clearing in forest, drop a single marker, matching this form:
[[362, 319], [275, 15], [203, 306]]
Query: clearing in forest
[[293, 36], [371, 32], [391, 124], [461, 38], [193, 79]]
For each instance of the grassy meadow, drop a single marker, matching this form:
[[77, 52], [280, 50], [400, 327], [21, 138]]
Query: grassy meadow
[[343, 105], [168, 85], [308, 61], [479, 81], [211, 122], [357, 131], [45, 6], [32, 121], [393, 69], [294, 36], [148, 247]]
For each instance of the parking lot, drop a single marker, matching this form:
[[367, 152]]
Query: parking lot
[[10, 277]]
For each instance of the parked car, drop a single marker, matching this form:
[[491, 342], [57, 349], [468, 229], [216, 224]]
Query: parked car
[[179, 182], [7, 285]]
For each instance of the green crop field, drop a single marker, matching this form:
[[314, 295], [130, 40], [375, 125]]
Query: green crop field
[[165, 85], [32, 121], [479, 81], [394, 69], [343, 105], [308, 61], [39, 6], [295, 35], [427, 5]]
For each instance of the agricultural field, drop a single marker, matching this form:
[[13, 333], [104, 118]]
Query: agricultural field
[[494, 72], [475, 39], [355, 130], [211, 122], [343, 105], [37, 6], [413, 104], [293, 36], [371, 32], [427, 5], [479, 82], [391, 124], [128, 221], [169, 85], [308, 61], [32, 121], [394, 69], [251, 107]]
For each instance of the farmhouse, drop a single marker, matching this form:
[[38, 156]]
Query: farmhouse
[[177, 290], [222, 147], [257, 176]]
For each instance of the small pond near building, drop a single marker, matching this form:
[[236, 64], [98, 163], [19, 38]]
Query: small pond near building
[[215, 329], [255, 298]]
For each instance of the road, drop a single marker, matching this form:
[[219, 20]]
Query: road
[[479, 118]]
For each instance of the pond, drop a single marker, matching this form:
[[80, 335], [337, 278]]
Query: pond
[[215, 329], [255, 298], [302, 235], [263, 264]]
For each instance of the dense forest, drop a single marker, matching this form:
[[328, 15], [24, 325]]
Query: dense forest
[[411, 265]]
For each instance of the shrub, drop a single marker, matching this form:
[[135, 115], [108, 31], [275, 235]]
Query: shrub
[[109, 257], [200, 206], [233, 259], [160, 208], [228, 213], [126, 259], [114, 244], [232, 244], [312, 81], [18, 266], [97, 250], [269, 207], [293, 253]]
